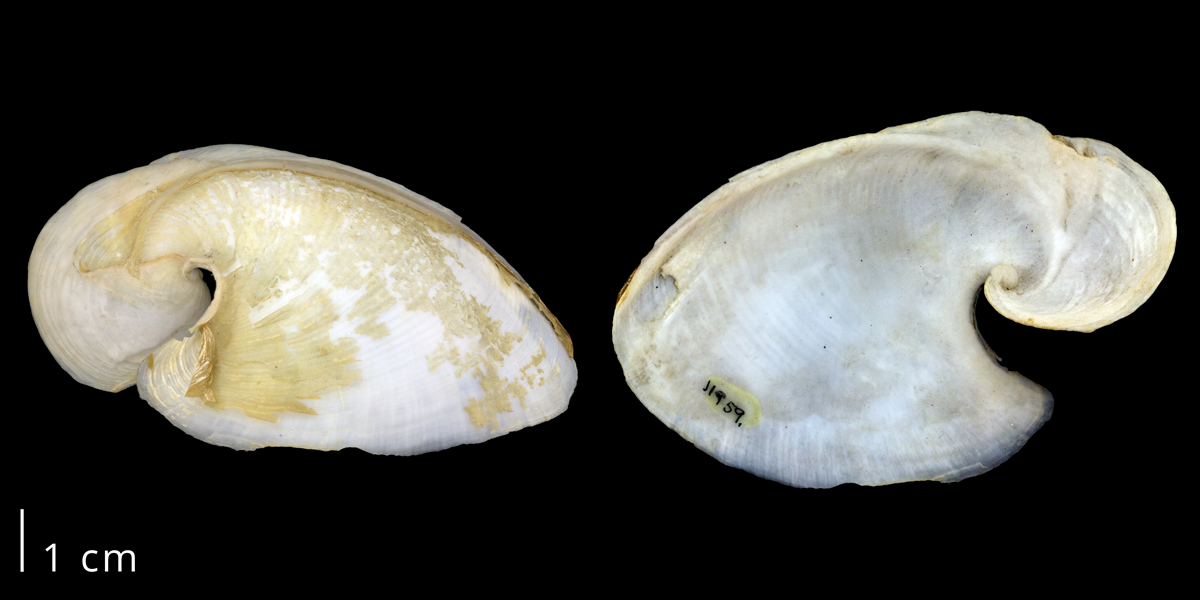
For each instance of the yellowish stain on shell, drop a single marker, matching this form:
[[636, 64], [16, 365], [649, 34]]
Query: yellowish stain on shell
[[268, 346]]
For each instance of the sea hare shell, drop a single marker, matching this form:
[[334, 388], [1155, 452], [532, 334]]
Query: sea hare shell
[[349, 311], [811, 321]]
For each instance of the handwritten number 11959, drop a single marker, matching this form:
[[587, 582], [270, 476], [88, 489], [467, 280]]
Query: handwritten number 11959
[[730, 407]]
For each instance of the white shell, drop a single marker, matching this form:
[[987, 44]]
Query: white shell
[[827, 297], [350, 311]]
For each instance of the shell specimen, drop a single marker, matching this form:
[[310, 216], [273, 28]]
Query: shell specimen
[[349, 311], [811, 321]]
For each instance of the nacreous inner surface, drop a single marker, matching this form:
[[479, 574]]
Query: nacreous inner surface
[[834, 294]]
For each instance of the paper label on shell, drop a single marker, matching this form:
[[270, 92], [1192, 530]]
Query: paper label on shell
[[740, 407]]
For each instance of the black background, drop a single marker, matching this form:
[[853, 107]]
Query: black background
[[571, 167]]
